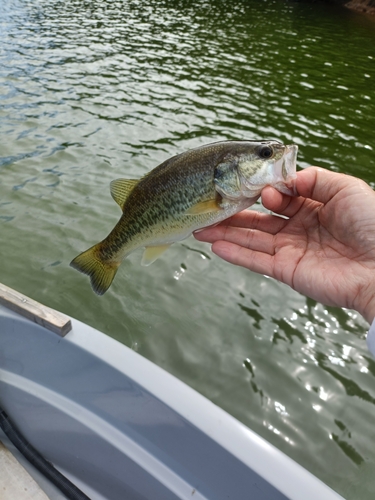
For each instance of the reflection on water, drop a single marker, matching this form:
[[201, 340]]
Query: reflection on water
[[91, 91], [344, 445]]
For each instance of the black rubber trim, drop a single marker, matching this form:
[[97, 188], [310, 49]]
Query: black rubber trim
[[69, 489]]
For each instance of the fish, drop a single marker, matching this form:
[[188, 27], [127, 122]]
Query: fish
[[192, 190]]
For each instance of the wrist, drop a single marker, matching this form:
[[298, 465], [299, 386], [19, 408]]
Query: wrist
[[366, 304]]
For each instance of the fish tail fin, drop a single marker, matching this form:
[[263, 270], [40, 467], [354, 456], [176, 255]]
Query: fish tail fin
[[101, 271]]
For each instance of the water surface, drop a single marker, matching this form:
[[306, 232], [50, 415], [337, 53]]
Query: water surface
[[92, 91]]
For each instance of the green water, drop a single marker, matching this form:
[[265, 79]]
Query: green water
[[92, 91]]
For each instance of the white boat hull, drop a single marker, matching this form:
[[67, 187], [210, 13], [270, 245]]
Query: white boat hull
[[122, 428]]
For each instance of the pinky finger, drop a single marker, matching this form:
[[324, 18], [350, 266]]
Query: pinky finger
[[258, 262]]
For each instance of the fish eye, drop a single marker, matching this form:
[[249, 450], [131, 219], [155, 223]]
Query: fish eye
[[265, 152]]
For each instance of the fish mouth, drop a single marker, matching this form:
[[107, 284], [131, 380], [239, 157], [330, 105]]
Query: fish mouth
[[285, 171]]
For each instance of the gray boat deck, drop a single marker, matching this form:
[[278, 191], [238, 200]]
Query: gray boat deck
[[15, 482]]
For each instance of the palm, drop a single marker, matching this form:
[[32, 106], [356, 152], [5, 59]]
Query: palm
[[319, 256], [324, 249]]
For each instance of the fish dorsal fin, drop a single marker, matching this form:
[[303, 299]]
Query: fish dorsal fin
[[153, 253], [121, 188], [204, 207]]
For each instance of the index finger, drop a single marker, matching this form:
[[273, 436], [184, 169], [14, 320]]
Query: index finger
[[280, 203]]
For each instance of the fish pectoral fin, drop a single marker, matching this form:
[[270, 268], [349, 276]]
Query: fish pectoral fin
[[121, 188], [152, 253], [204, 207]]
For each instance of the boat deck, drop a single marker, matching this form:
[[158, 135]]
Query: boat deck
[[15, 481]]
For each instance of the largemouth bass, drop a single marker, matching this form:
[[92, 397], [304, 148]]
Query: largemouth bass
[[187, 192]]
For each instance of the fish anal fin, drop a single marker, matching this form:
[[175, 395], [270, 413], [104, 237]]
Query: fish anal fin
[[121, 188], [152, 253], [204, 207]]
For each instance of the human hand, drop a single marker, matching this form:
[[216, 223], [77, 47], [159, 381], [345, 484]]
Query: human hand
[[324, 249]]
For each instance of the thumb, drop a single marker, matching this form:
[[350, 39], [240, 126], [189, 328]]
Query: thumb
[[321, 185]]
